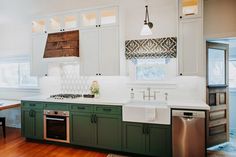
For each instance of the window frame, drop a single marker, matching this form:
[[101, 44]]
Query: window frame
[[232, 88], [18, 59]]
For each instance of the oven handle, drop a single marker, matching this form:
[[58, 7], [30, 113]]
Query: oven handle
[[57, 119]]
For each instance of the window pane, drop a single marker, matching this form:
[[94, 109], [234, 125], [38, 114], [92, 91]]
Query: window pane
[[232, 74], [15, 72], [9, 74], [25, 78], [216, 66], [155, 69]]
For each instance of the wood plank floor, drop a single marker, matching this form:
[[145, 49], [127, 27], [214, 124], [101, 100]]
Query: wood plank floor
[[16, 146]]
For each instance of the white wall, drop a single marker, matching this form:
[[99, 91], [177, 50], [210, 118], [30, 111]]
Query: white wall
[[219, 18]]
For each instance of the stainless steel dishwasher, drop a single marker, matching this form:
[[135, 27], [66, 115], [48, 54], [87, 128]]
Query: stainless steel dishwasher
[[188, 133]]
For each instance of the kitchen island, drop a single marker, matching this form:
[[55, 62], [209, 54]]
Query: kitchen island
[[99, 123]]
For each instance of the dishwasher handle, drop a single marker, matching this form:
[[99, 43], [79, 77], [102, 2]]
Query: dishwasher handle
[[188, 113]]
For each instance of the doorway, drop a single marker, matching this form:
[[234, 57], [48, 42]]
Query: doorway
[[222, 99]]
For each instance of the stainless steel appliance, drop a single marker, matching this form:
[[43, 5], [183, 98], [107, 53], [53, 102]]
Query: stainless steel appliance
[[56, 126], [188, 133]]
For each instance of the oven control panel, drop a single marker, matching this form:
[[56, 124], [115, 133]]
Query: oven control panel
[[57, 113]]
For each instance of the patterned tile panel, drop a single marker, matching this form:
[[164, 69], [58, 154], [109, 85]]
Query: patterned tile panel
[[151, 48]]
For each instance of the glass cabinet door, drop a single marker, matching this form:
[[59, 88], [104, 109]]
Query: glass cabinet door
[[70, 22], [189, 8], [108, 16], [55, 24], [39, 26], [89, 19]]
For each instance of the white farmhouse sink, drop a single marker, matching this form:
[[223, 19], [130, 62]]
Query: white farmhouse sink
[[155, 112]]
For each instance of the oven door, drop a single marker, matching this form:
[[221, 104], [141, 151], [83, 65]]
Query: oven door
[[56, 128]]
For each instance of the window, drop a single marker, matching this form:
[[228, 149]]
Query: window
[[232, 73], [15, 73], [153, 69]]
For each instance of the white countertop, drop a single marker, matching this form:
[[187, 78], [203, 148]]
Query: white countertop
[[177, 104], [94, 101], [189, 104]]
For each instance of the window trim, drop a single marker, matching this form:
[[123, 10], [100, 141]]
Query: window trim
[[19, 59]]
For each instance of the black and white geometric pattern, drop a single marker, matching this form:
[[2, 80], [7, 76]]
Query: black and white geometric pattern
[[151, 48]]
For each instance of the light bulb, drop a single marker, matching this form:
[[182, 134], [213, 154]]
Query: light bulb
[[145, 30]]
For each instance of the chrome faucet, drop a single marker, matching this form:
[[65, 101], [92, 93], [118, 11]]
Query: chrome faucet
[[149, 96]]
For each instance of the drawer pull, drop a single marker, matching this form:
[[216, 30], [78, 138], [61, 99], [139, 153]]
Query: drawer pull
[[107, 109], [81, 108]]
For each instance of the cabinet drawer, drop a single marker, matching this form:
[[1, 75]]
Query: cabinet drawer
[[81, 108], [56, 106], [32, 105], [108, 110]]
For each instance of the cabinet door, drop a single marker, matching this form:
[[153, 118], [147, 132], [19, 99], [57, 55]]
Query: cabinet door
[[38, 66], [109, 51], [190, 8], [82, 129], [133, 138], [108, 16], [32, 124], [158, 140], [190, 47], [89, 52], [108, 131]]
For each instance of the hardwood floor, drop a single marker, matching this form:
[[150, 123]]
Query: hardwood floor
[[16, 146]]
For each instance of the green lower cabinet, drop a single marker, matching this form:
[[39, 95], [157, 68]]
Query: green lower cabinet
[[134, 138], [32, 123], [158, 140], [108, 131], [82, 129], [147, 139]]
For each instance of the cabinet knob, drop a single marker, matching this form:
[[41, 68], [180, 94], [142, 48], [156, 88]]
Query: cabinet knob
[[180, 17], [180, 74], [45, 31], [63, 29], [96, 25]]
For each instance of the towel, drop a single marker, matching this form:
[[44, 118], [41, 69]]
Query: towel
[[150, 113]]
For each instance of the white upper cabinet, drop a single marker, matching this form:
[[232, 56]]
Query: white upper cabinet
[[99, 17], [89, 52], [108, 16], [39, 26], [99, 51], [89, 18], [38, 66], [55, 24], [64, 22], [190, 47], [190, 8], [70, 21], [109, 51], [190, 38]]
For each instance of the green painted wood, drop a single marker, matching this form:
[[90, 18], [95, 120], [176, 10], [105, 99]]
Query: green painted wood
[[56, 106], [32, 123], [108, 131], [158, 140], [117, 110], [81, 108], [82, 129], [31, 104], [133, 138]]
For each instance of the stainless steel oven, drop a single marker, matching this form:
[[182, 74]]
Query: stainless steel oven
[[56, 126]]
